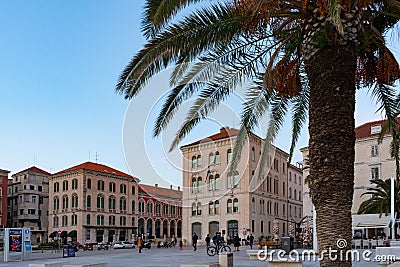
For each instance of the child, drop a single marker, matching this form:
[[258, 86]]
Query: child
[[180, 245]]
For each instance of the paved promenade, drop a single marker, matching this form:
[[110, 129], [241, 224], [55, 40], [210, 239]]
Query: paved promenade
[[155, 257]]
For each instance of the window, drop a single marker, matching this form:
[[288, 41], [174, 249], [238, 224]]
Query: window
[[173, 210], [216, 207], [211, 159], [299, 195], [55, 221], [197, 183], [40, 188], [253, 154], [283, 168], [150, 208], [65, 185], [133, 190], [111, 187], [194, 209], [111, 203], [74, 219], [374, 173], [111, 220], [89, 202], [141, 206], [262, 206], [211, 208], [211, 183], [198, 208], [290, 192], [374, 150], [88, 219], [233, 181], [100, 202], [100, 185], [133, 206], [33, 199], [252, 226], [133, 221], [100, 219], [235, 205], [56, 203], [229, 155], [276, 168], [262, 227], [194, 162], [122, 188], [89, 183], [75, 184], [122, 204], [229, 206], [65, 202], [199, 161], [64, 220], [166, 209], [32, 211], [283, 188], [284, 209], [217, 158], [253, 205], [122, 221], [74, 201], [276, 181], [56, 187]]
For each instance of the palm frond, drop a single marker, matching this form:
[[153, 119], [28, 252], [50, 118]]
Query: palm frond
[[334, 14]]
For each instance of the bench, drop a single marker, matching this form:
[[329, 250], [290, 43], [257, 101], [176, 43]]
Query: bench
[[50, 264], [288, 263], [99, 264], [275, 244]]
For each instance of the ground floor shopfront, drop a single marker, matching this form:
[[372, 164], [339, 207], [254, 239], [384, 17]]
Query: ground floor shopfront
[[159, 228]]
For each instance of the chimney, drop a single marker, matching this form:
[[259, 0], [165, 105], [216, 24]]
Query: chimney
[[224, 129], [170, 186], [179, 188], [156, 185]]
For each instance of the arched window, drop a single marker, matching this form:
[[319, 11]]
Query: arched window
[[122, 221], [198, 208], [88, 201], [284, 209], [100, 185], [166, 209], [229, 206], [199, 161], [253, 154], [56, 187], [211, 208], [64, 220], [262, 206], [150, 208], [194, 209], [111, 203], [295, 194], [233, 181], [194, 185], [194, 162], [133, 222], [100, 219], [74, 219], [299, 195], [75, 184], [111, 220], [229, 155], [217, 158], [89, 183], [122, 204], [65, 185], [211, 183], [65, 202], [290, 192], [253, 205], [56, 203], [100, 202], [133, 206], [122, 188], [217, 182], [216, 206], [199, 184], [158, 208], [235, 205], [141, 206], [55, 221], [211, 159], [88, 219], [74, 201], [111, 187]]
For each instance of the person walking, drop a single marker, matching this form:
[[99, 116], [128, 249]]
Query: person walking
[[236, 242], [194, 241], [180, 245], [251, 240], [140, 244], [208, 241]]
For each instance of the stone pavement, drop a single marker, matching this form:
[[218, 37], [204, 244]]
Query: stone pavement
[[154, 257]]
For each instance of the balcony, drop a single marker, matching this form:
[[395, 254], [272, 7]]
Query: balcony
[[28, 217]]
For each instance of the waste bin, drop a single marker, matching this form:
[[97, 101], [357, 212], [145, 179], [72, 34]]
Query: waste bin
[[68, 251], [287, 244]]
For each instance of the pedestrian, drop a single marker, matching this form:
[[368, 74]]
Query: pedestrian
[[208, 241], [140, 244], [175, 241], [251, 240], [180, 245], [194, 241], [236, 242]]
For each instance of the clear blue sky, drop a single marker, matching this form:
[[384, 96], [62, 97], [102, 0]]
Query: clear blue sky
[[60, 61]]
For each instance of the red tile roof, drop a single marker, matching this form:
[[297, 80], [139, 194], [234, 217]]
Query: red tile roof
[[91, 166], [34, 170], [364, 130], [155, 191], [223, 133]]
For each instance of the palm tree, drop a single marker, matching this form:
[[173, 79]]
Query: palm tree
[[304, 56], [380, 200]]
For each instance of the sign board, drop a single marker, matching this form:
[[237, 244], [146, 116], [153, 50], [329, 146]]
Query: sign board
[[15, 240]]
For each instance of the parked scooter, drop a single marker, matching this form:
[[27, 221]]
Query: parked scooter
[[101, 246]]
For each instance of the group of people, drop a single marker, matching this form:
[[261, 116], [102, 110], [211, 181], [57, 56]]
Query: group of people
[[218, 239]]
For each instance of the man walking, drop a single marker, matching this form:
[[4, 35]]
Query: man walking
[[251, 239], [208, 241], [194, 240]]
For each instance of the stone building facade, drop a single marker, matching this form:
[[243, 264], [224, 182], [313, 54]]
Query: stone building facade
[[3, 197], [372, 161], [92, 202], [28, 202], [253, 199], [160, 212]]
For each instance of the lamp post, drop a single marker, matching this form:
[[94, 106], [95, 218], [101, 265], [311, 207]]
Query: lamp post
[[392, 217]]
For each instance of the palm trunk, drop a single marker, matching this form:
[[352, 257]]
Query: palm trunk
[[331, 73]]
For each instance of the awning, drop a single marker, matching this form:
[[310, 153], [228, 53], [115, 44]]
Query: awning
[[64, 234], [361, 221], [53, 234], [72, 233]]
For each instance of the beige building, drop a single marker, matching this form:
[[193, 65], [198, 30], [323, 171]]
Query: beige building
[[216, 200], [372, 161], [28, 202], [92, 202]]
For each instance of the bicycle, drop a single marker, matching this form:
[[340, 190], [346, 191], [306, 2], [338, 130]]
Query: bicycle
[[213, 250]]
